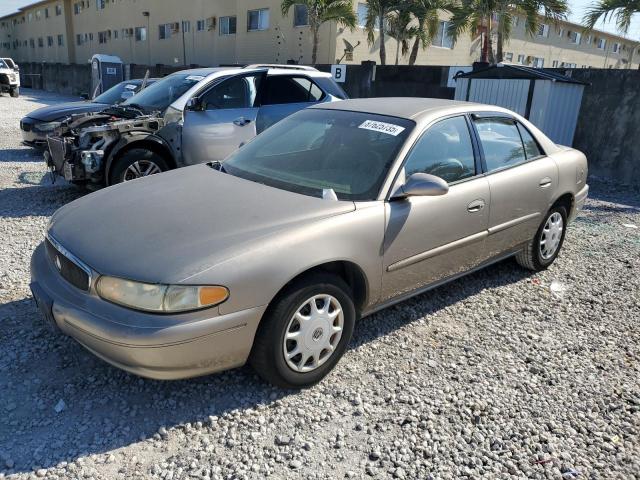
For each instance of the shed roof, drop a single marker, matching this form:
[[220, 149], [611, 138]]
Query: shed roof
[[511, 72]]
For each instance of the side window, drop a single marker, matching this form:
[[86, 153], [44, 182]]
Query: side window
[[444, 150], [501, 142], [285, 89], [531, 148], [236, 92]]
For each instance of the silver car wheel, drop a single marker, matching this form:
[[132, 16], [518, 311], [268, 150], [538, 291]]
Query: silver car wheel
[[141, 168], [551, 236], [313, 333]]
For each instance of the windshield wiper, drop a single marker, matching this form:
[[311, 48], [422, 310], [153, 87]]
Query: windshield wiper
[[217, 165]]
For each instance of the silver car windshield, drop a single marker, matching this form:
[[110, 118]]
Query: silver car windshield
[[313, 150], [163, 93]]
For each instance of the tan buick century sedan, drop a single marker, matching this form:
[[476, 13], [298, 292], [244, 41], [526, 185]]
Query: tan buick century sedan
[[272, 255]]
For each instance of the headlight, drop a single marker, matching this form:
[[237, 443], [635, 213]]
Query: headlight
[[160, 298], [48, 127]]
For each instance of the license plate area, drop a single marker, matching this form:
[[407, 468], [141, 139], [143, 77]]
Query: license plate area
[[45, 306]]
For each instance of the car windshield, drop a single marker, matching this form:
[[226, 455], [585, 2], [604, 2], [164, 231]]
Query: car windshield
[[315, 149], [2, 64], [163, 93], [10, 63], [118, 93]]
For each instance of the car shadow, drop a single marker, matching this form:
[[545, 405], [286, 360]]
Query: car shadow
[[105, 408], [24, 154], [44, 98], [39, 198]]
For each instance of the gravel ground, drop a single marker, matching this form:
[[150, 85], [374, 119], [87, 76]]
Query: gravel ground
[[502, 374]]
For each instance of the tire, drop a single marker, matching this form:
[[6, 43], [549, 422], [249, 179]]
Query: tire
[[268, 353], [534, 256], [148, 162], [14, 92]]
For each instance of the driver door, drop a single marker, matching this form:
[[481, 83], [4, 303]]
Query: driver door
[[225, 119], [428, 239]]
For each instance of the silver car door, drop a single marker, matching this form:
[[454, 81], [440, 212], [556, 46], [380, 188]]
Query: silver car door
[[221, 119], [431, 238], [283, 95], [522, 181]]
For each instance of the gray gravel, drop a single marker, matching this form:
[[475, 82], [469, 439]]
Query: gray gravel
[[502, 374]]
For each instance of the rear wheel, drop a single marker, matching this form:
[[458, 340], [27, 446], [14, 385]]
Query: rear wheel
[[304, 332], [545, 246], [136, 163]]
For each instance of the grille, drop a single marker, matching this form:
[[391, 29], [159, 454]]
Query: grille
[[69, 270], [58, 150]]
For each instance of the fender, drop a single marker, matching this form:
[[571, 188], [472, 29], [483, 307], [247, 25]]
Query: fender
[[130, 139]]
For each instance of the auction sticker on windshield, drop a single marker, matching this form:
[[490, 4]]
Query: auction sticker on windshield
[[388, 128]]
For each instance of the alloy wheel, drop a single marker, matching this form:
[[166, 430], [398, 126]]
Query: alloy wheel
[[551, 236], [140, 168]]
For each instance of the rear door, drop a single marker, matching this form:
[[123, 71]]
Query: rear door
[[521, 177], [226, 119], [283, 95]]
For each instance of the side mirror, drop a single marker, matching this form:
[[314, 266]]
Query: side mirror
[[194, 104], [422, 185], [84, 96]]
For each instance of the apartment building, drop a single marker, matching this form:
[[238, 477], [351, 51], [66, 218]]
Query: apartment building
[[215, 32]]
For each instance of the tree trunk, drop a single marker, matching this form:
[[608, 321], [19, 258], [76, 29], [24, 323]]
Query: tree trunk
[[397, 51], [316, 41], [383, 50], [416, 44], [492, 57], [484, 56], [499, 47]]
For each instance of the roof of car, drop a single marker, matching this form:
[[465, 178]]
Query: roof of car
[[402, 107], [273, 69]]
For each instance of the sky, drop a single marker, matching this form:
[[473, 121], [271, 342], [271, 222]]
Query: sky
[[577, 11]]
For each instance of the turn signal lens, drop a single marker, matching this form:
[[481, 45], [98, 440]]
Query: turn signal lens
[[213, 295]]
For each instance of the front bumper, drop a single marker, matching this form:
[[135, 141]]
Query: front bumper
[[163, 347], [31, 136]]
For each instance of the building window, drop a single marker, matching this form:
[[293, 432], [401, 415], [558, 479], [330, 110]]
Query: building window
[[200, 25], [77, 8], [165, 31], [100, 4], [32, 43], [589, 39], [508, 57], [561, 32], [61, 40], [538, 62], [78, 39], [228, 25], [363, 12], [46, 12], [616, 48], [521, 59], [115, 34], [40, 42], [554, 64], [575, 37], [58, 10], [443, 39], [300, 15], [30, 17], [258, 19], [543, 30], [103, 37], [141, 34], [601, 43], [38, 14], [186, 26], [49, 41]]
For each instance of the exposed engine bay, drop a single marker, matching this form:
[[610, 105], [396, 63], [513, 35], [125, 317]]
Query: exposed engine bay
[[81, 145]]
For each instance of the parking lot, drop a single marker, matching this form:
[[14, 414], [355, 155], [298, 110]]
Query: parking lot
[[502, 374]]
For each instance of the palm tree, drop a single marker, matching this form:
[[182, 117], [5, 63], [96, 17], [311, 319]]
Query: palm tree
[[321, 11], [426, 13], [378, 12], [489, 16], [401, 31], [621, 10]]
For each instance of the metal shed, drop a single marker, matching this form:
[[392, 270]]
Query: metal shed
[[106, 72], [549, 100]]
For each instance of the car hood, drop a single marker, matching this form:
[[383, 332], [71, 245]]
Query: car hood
[[58, 112], [168, 227]]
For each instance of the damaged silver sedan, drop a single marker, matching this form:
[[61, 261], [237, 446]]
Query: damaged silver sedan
[[189, 117]]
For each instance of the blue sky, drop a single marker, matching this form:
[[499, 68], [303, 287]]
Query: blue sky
[[577, 10]]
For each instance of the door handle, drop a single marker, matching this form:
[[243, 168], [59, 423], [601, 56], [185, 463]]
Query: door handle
[[545, 182], [241, 122], [475, 206]]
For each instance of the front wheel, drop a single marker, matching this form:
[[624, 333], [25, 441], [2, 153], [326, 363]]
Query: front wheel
[[304, 332], [136, 163], [15, 92], [545, 246]]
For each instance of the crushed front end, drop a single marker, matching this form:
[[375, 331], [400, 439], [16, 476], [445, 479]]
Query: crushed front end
[[79, 149]]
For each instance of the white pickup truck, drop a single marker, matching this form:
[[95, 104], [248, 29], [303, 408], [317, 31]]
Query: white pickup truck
[[9, 77]]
